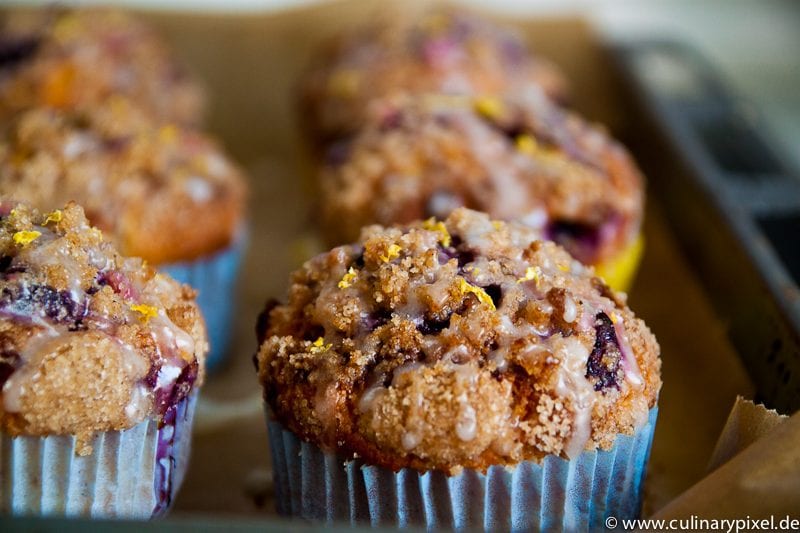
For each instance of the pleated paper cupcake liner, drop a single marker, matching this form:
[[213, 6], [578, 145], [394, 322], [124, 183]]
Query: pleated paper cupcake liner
[[214, 278], [556, 495], [130, 474]]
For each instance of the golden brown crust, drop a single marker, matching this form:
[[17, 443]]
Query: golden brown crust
[[90, 341], [162, 192], [445, 51], [164, 231], [519, 158], [460, 344], [66, 58]]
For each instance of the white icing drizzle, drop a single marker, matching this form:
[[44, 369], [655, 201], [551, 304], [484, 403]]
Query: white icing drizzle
[[398, 373], [629, 365], [467, 421], [410, 440], [535, 219], [573, 385], [570, 310], [140, 400], [198, 189], [369, 398], [170, 338]]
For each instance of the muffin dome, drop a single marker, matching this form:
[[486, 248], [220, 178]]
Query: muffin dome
[[523, 158], [444, 51], [91, 341], [63, 58], [456, 344], [161, 191]]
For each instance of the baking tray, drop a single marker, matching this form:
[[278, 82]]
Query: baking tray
[[732, 200], [249, 63]]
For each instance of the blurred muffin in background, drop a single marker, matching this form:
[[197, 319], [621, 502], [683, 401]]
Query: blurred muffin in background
[[522, 158], [101, 360], [160, 191], [62, 58], [446, 50]]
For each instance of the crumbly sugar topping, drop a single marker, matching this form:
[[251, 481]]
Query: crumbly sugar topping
[[519, 158], [161, 191], [459, 343], [89, 341], [445, 50], [74, 57]]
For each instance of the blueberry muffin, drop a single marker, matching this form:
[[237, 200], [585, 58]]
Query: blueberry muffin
[[62, 58], [454, 346], [446, 50], [520, 158], [96, 348], [160, 191]]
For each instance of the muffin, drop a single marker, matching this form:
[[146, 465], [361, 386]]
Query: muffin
[[520, 158], [457, 374], [446, 50], [160, 191], [62, 58], [101, 358]]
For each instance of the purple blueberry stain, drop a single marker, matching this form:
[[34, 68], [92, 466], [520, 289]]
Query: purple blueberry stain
[[43, 301], [512, 50], [510, 130], [440, 52], [604, 361], [580, 239], [338, 152], [375, 319], [170, 428], [446, 254], [169, 394], [462, 257], [391, 120], [116, 144], [433, 326], [15, 50]]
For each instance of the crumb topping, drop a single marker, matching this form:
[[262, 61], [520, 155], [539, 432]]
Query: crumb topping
[[475, 344], [445, 50], [63, 58], [89, 341], [136, 177], [519, 158]]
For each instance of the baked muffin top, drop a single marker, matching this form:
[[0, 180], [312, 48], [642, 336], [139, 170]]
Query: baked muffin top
[[520, 158], [62, 58], [90, 341], [161, 191], [463, 343], [445, 50]]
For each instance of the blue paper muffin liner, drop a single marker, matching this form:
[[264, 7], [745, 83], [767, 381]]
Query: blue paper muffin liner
[[132, 474], [556, 495], [214, 277]]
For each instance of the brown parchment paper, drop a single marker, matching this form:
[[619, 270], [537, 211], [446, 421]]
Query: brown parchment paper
[[747, 423], [250, 63], [760, 482]]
